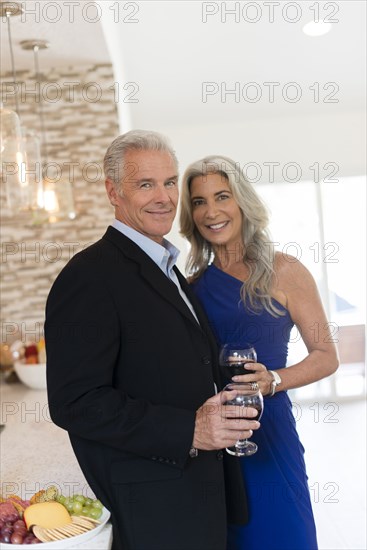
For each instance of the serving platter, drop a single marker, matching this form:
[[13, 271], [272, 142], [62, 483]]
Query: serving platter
[[64, 543]]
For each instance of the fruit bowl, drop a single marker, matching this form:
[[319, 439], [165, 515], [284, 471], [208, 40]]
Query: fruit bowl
[[64, 543], [32, 375]]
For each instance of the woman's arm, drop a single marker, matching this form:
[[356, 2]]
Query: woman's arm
[[296, 290], [296, 284]]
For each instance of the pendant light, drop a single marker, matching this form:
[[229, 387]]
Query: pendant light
[[55, 196], [17, 191]]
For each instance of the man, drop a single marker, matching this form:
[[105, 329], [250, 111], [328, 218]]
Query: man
[[131, 366]]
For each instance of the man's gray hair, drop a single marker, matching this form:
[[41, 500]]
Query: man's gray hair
[[137, 140]]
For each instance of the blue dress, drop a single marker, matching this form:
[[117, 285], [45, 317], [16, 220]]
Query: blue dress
[[280, 512]]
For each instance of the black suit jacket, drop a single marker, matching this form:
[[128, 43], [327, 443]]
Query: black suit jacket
[[127, 367]]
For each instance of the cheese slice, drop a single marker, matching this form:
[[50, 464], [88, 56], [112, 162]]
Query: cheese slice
[[46, 514]]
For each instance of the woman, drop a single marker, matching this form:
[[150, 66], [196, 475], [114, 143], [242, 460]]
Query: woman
[[252, 293]]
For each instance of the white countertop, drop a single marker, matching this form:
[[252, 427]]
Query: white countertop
[[35, 453]]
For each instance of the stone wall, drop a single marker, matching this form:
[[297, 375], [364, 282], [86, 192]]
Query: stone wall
[[81, 120]]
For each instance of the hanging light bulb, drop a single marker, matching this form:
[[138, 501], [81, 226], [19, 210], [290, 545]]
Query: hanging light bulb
[[16, 189], [14, 182], [33, 164], [55, 196], [8, 10], [58, 200]]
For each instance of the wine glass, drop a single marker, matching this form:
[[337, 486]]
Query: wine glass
[[233, 359]]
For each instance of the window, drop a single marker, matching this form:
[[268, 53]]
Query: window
[[323, 225]]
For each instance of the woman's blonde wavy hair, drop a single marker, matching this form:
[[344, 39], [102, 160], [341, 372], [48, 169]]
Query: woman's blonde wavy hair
[[258, 252]]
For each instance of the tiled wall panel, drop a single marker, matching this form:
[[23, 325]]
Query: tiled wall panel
[[81, 121]]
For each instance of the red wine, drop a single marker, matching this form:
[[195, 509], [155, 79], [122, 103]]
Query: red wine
[[234, 368]]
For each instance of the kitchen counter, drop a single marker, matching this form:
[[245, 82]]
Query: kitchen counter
[[35, 453]]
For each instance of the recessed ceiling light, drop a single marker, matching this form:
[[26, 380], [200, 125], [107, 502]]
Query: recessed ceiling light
[[316, 29]]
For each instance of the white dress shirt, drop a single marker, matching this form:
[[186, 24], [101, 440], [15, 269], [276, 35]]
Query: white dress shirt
[[165, 255]]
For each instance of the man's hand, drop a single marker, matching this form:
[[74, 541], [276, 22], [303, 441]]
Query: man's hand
[[218, 426]]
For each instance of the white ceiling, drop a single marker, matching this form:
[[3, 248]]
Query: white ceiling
[[165, 52], [73, 38]]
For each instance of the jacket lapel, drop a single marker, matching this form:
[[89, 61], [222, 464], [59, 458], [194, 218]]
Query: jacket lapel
[[192, 298], [204, 325], [167, 289], [151, 272]]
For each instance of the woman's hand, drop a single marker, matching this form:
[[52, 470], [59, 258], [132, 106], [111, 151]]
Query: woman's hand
[[262, 376]]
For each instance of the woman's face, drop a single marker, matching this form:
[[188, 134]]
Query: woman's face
[[215, 212]]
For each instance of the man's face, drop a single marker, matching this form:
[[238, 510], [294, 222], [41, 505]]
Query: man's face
[[147, 200]]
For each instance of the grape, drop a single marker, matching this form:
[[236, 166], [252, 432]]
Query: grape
[[69, 506], [16, 538], [28, 538], [95, 513], [9, 524], [13, 530], [82, 506], [97, 504], [77, 507], [19, 524]]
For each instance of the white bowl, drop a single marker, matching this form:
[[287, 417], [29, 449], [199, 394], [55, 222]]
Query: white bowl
[[33, 376], [64, 543]]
